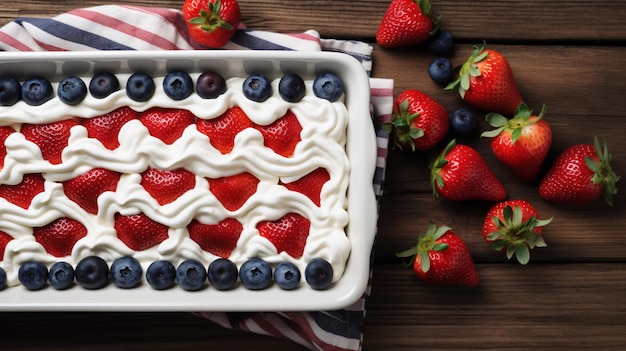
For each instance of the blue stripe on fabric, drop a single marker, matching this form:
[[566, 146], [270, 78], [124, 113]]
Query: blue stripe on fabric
[[243, 38], [73, 34], [343, 322]]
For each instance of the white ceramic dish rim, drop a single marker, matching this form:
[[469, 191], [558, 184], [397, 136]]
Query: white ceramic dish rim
[[362, 207]]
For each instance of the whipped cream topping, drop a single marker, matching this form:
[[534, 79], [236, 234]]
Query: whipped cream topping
[[323, 145]]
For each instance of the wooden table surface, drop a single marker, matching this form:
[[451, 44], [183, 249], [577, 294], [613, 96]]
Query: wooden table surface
[[569, 55]]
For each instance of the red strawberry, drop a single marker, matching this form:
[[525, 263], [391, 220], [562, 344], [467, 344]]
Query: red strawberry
[[59, 237], [223, 129], [486, 81], [166, 186], [418, 121], [288, 233], [459, 173], [282, 135], [219, 239], [522, 142], [4, 134], [406, 22], [106, 128], [233, 191], [166, 124], [310, 185], [87, 187], [211, 22], [139, 232], [51, 138], [580, 175], [23, 193], [4, 240], [514, 226], [442, 258]]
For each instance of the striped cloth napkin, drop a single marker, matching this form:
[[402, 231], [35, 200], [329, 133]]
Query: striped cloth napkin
[[121, 27]]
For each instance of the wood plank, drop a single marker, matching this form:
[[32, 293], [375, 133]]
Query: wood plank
[[537, 307], [534, 20]]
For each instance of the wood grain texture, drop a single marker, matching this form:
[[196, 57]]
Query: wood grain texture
[[569, 55]]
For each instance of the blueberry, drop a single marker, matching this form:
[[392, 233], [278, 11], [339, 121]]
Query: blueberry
[[210, 85], [257, 88], [463, 121], [328, 86], [440, 70], [72, 90], [222, 273], [10, 91], [291, 88], [126, 272], [61, 275], [140, 87], [3, 278], [255, 274], [319, 274], [191, 275], [36, 91], [178, 85], [33, 275], [92, 272], [161, 274], [287, 275], [103, 84], [441, 43]]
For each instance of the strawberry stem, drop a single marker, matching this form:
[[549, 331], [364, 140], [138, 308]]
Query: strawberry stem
[[516, 235], [603, 172], [404, 133], [426, 242], [211, 20]]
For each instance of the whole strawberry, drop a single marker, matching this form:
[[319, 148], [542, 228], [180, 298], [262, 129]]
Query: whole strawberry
[[418, 121], [441, 258], [211, 22], [581, 174], [459, 173], [514, 226], [522, 142], [406, 22], [486, 82]]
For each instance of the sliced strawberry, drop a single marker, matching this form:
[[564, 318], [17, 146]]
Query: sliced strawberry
[[283, 135], [166, 124], [167, 186], [4, 134], [310, 185], [51, 138], [223, 129], [4, 240], [233, 191], [139, 232], [288, 234], [23, 193], [106, 128], [60, 236], [87, 187], [219, 239]]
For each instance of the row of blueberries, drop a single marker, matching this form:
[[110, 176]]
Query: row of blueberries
[[93, 272], [177, 85]]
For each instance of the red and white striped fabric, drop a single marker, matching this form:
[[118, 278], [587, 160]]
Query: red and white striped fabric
[[120, 27]]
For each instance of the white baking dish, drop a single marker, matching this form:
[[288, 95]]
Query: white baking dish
[[361, 150]]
